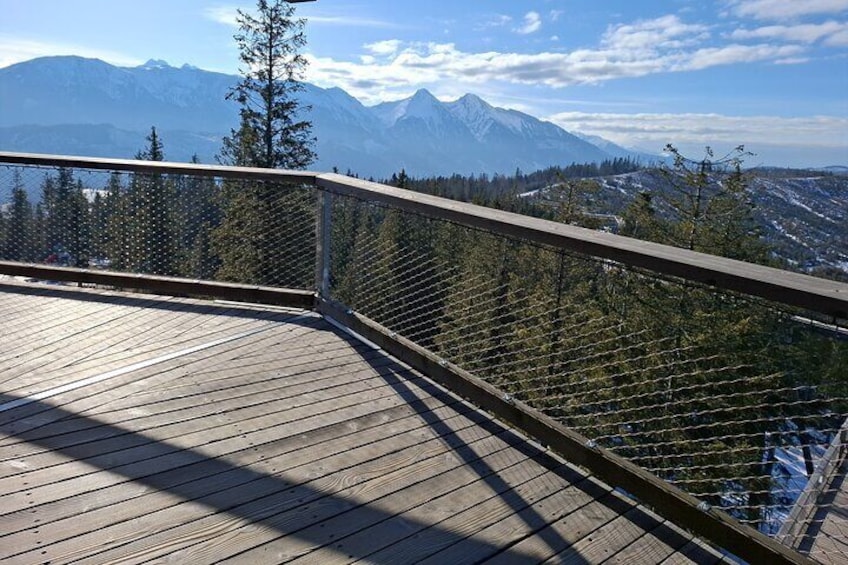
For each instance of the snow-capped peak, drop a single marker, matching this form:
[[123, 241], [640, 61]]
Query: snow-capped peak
[[422, 105], [477, 114], [155, 64]]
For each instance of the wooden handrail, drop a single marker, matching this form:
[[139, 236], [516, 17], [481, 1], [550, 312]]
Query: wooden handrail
[[157, 167], [294, 298], [792, 289]]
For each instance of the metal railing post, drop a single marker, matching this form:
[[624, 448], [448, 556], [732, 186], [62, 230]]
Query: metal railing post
[[323, 241]]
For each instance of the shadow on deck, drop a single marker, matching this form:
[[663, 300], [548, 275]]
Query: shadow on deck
[[137, 428]]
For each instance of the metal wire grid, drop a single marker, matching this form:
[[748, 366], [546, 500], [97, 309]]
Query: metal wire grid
[[721, 395], [251, 232], [727, 397]]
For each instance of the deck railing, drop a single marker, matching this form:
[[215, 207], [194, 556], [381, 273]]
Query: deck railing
[[693, 382]]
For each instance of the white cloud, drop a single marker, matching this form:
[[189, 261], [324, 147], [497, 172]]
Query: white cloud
[[655, 130], [734, 54], [532, 23], [227, 15], [666, 32], [386, 47], [786, 9], [792, 61], [222, 14], [348, 21], [555, 14], [497, 20], [665, 44], [15, 50], [806, 33], [838, 39]]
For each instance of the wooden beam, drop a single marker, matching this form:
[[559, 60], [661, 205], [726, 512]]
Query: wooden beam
[[793, 289], [160, 167], [173, 286], [679, 507]]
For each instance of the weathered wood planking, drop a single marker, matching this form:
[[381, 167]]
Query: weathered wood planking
[[291, 443], [826, 537]]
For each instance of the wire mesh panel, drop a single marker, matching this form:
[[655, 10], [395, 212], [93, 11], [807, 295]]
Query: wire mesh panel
[[730, 398], [247, 231]]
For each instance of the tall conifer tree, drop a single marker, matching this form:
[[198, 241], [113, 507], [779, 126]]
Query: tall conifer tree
[[150, 202], [18, 226], [272, 133]]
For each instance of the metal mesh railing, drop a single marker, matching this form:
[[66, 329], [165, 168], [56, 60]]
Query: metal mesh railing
[[736, 400], [200, 227], [732, 399]]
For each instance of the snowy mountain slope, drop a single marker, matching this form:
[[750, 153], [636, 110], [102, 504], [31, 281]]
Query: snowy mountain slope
[[421, 133], [804, 218]]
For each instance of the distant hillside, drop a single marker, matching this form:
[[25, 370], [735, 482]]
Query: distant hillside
[[803, 214], [73, 105]]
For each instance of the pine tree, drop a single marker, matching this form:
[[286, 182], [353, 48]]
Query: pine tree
[[150, 198], [196, 212], [272, 133], [117, 217], [18, 225], [65, 216], [711, 207], [252, 239]]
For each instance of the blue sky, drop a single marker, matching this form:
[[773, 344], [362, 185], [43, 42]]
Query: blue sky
[[772, 74]]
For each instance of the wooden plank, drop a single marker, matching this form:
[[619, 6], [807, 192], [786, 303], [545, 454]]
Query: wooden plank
[[280, 375], [468, 521], [475, 500], [355, 426], [73, 353], [526, 523], [693, 553], [341, 528], [100, 444], [27, 311], [167, 403], [667, 500], [827, 531], [793, 289], [604, 542], [83, 514], [131, 447], [292, 511], [121, 402], [100, 431], [157, 167], [565, 532], [655, 546], [187, 521], [297, 298], [795, 529], [318, 384], [55, 328], [31, 409], [100, 394], [109, 441]]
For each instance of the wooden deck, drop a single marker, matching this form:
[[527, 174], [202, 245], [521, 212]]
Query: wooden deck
[[136, 428], [826, 537]]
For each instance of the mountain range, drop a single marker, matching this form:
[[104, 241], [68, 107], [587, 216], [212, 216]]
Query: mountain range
[[74, 105]]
